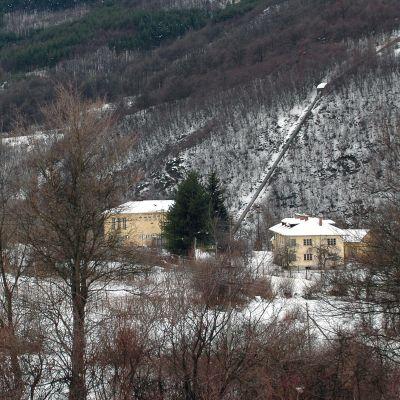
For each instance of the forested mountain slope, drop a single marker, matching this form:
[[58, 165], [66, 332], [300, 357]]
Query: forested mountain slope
[[328, 170], [207, 86], [160, 55]]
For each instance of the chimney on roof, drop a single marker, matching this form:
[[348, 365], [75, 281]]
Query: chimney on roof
[[301, 217], [320, 221]]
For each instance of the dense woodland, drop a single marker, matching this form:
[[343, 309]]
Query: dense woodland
[[27, 5], [215, 50]]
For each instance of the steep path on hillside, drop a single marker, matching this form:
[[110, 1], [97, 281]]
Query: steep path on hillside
[[294, 131], [279, 155]]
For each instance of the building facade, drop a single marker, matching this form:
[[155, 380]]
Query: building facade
[[138, 223], [305, 241]]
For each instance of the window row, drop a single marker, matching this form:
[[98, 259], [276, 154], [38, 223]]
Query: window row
[[152, 236], [118, 223], [308, 242], [153, 217]]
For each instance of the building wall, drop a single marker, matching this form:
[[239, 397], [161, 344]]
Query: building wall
[[138, 229], [351, 250], [299, 249], [358, 250]]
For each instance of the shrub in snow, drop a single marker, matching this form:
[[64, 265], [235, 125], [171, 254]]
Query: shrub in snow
[[220, 285], [338, 285], [286, 288], [263, 288], [312, 289]]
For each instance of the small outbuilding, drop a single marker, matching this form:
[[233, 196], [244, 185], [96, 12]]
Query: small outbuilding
[[355, 243]]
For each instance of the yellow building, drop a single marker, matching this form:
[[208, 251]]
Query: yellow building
[[305, 241], [138, 222], [356, 243]]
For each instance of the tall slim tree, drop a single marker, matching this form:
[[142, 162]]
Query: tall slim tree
[[22, 355], [75, 181], [218, 211], [188, 220], [9, 277]]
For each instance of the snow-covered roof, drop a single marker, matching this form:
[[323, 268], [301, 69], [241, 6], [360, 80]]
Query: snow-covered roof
[[306, 227], [354, 235], [144, 206], [295, 221], [322, 85]]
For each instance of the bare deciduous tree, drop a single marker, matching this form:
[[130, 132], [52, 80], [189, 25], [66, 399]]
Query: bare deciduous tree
[[9, 276], [75, 181]]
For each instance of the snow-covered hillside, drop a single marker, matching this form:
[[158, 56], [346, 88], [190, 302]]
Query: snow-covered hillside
[[328, 170]]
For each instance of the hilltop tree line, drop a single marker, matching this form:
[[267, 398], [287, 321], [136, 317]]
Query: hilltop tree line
[[27, 5], [147, 29], [201, 56], [126, 27]]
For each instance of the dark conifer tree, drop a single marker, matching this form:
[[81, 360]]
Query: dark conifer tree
[[188, 220], [218, 212]]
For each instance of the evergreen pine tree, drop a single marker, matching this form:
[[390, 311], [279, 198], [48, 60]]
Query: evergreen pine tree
[[189, 217], [218, 212]]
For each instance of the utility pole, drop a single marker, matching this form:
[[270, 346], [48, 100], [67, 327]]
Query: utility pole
[[230, 266], [258, 244], [308, 329], [299, 390]]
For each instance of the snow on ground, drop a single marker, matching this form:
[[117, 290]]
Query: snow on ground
[[288, 126], [324, 319], [159, 283], [27, 141], [22, 140], [150, 292], [262, 266]]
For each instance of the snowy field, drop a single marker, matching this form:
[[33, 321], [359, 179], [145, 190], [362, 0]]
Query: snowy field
[[323, 320], [161, 304]]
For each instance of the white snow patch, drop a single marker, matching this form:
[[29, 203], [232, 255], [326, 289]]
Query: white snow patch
[[144, 206]]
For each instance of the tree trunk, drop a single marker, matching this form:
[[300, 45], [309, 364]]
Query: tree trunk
[[8, 304], [78, 367]]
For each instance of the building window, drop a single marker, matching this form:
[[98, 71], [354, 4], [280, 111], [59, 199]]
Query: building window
[[307, 257], [332, 242], [113, 223], [292, 242], [307, 242], [124, 223]]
